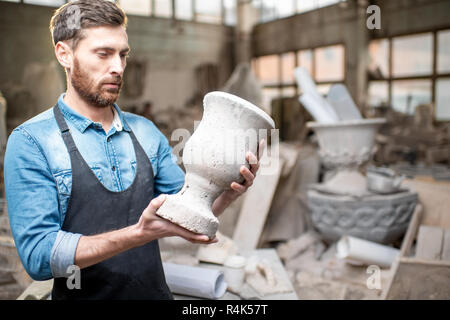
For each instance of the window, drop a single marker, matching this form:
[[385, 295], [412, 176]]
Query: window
[[378, 93], [305, 5], [209, 11], [276, 72], [287, 68], [305, 59], [268, 69], [163, 8], [285, 8], [276, 9], [230, 8], [137, 7], [379, 58], [51, 3], [408, 94], [412, 55], [443, 51], [184, 10], [267, 10], [413, 73], [329, 63]]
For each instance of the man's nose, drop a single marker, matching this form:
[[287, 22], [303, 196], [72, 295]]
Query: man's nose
[[117, 65]]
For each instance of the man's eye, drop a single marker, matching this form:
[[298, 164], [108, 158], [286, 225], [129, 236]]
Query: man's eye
[[102, 54], [125, 55]]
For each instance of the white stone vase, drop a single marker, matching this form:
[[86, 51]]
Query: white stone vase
[[213, 156]]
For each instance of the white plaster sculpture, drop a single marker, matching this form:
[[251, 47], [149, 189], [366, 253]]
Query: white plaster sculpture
[[345, 146], [314, 105], [367, 252], [341, 100], [317, 106], [230, 127]]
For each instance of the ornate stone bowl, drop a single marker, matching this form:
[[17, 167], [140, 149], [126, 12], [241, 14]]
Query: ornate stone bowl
[[346, 143], [379, 218], [344, 205]]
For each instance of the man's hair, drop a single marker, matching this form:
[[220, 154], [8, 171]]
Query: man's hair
[[69, 21]]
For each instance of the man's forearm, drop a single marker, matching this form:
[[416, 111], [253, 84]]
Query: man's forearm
[[97, 248], [94, 249]]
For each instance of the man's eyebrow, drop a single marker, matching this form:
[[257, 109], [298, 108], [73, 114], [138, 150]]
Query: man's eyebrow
[[112, 49]]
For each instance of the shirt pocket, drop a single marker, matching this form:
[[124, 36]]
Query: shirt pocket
[[63, 180]]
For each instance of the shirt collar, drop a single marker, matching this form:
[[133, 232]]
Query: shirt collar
[[82, 123], [117, 122]]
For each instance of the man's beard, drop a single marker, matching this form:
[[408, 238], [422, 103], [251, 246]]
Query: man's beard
[[93, 93]]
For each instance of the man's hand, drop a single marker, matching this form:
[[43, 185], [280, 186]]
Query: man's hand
[[96, 248], [151, 226], [228, 196]]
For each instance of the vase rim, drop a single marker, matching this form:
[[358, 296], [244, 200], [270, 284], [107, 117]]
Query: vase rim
[[244, 103]]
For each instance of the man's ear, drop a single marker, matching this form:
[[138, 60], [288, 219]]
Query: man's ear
[[64, 54]]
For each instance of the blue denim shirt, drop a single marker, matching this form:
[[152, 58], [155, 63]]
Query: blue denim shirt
[[38, 179]]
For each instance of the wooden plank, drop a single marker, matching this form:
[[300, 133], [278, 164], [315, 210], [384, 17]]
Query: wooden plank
[[429, 243], [256, 206], [435, 200], [420, 280], [446, 246], [37, 290], [414, 278], [412, 231], [405, 249]]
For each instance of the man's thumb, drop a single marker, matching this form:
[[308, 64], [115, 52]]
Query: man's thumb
[[157, 202]]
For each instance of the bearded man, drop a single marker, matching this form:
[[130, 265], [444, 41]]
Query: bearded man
[[84, 179]]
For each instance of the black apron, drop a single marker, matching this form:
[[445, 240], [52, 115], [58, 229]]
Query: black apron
[[92, 209]]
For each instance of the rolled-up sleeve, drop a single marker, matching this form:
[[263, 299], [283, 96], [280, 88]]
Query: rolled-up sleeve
[[63, 253], [32, 200]]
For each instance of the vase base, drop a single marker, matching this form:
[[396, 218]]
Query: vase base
[[188, 217]]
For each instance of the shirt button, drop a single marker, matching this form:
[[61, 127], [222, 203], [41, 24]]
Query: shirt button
[[113, 168]]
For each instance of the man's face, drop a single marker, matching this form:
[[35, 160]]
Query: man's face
[[99, 61]]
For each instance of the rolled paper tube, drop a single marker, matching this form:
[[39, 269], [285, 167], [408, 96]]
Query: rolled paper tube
[[195, 281], [314, 105], [304, 80], [367, 252]]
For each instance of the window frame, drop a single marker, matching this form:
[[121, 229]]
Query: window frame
[[280, 85], [223, 9], [433, 76]]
